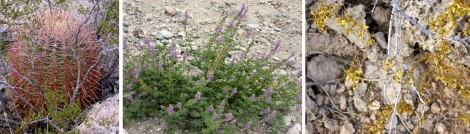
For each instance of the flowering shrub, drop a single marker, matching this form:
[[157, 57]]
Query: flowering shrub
[[220, 87]]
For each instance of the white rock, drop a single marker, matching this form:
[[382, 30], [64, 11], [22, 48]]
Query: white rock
[[375, 105], [102, 118], [360, 104], [342, 102], [296, 129], [380, 39], [440, 128], [435, 108], [347, 128], [166, 34]]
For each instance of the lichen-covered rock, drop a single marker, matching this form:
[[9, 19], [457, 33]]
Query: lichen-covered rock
[[102, 118]]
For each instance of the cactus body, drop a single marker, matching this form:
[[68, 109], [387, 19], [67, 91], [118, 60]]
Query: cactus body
[[43, 53]]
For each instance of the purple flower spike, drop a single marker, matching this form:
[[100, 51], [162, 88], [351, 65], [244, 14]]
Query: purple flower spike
[[125, 45], [253, 98], [164, 126], [186, 17], [242, 56], [265, 111], [130, 98], [210, 76], [221, 40], [198, 96], [272, 115], [233, 122], [299, 97], [290, 126], [292, 54], [170, 110], [229, 116], [249, 34], [214, 116], [269, 91], [147, 42], [290, 63], [145, 66], [173, 53], [277, 46], [299, 107], [137, 73], [248, 125], [219, 30], [232, 24], [179, 105], [185, 56], [129, 87], [234, 91], [242, 12], [160, 66], [210, 109]]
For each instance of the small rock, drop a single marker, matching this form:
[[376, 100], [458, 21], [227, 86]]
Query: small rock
[[166, 34], [375, 105], [250, 27], [435, 108], [342, 102], [347, 128], [440, 128], [381, 16], [340, 89], [182, 34], [319, 99], [331, 124], [427, 126], [322, 68], [360, 104], [380, 39], [297, 129], [170, 11], [288, 120], [99, 120]]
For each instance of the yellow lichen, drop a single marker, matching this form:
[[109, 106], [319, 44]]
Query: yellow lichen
[[354, 73], [321, 14]]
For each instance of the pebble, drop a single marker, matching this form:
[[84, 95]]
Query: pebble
[[297, 129], [342, 102], [375, 105], [170, 11], [440, 128], [166, 34], [250, 27], [435, 108], [359, 104], [347, 128], [380, 39], [319, 99]]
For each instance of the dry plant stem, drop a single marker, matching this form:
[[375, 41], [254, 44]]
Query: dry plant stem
[[331, 101], [75, 91], [420, 27], [397, 100], [375, 4], [404, 123]]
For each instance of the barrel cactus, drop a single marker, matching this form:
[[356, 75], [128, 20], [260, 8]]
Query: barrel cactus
[[44, 61]]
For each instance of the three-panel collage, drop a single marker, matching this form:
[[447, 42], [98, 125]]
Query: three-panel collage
[[234, 66]]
